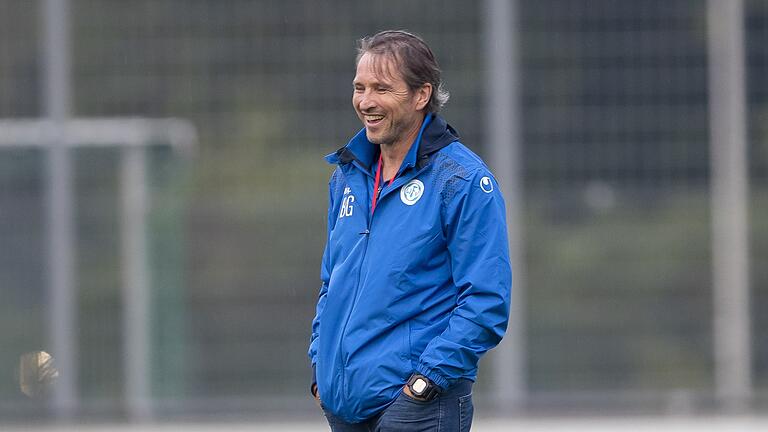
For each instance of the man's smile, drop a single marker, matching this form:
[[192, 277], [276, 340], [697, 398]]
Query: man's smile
[[373, 119]]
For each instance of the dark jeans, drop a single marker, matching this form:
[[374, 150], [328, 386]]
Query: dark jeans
[[450, 412]]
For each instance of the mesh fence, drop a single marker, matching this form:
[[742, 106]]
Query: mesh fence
[[756, 27], [616, 160]]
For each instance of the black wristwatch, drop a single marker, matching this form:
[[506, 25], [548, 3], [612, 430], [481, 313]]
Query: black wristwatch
[[422, 388]]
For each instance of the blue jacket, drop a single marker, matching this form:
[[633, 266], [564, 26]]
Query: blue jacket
[[422, 285]]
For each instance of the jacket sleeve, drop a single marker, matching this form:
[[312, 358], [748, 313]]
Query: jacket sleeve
[[325, 274], [476, 233]]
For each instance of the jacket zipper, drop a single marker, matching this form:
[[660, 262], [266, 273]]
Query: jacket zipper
[[366, 233], [343, 353]]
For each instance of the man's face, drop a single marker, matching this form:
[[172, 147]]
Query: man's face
[[388, 109]]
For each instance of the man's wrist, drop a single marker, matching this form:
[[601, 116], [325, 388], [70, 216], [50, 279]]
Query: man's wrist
[[313, 386]]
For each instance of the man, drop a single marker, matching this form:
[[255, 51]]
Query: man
[[416, 275]]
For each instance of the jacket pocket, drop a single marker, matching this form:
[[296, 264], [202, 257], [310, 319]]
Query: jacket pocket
[[425, 256]]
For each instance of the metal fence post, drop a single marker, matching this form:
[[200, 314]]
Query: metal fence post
[[62, 295], [136, 301], [502, 81], [730, 184]]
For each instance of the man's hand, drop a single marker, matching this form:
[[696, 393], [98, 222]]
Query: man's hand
[[408, 393], [316, 395]]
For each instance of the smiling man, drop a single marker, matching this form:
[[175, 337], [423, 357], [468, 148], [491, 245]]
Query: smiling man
[[415, 273]]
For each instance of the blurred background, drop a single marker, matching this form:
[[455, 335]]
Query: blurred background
[[163, 198]]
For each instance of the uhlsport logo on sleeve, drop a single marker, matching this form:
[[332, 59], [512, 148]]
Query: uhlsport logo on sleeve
[[486, 185], [411, 192]]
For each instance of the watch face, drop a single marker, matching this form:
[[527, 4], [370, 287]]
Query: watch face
[[419, 386]]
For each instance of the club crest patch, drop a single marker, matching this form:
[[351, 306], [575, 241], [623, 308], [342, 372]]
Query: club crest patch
[[411, 192]]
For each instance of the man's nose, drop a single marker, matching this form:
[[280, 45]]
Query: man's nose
[[366, 101]]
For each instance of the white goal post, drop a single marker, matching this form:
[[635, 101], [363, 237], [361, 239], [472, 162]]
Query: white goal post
[[132, 136]]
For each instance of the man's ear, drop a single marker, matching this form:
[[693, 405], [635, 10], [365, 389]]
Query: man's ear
[[423, 94]]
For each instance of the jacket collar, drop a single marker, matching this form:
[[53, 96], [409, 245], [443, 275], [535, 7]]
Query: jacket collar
[[435, 134]]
